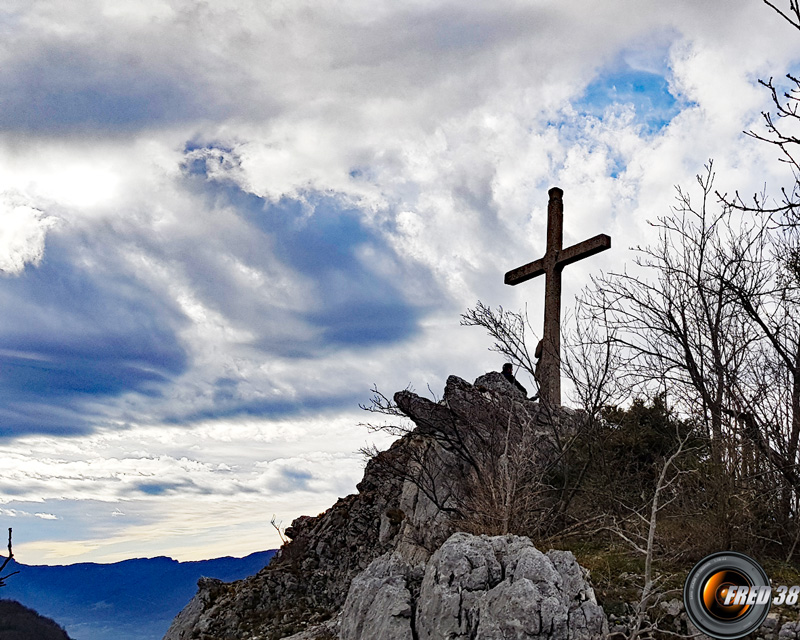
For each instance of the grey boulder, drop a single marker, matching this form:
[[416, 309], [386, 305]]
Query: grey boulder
[[475, 588]]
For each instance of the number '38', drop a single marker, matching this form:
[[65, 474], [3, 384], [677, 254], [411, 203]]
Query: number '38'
[[785, 595]]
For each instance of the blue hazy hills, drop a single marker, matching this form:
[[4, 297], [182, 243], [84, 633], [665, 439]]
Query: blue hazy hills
[[128, 600]]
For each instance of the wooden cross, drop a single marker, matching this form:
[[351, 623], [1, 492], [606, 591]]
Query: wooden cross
[[554, 260]]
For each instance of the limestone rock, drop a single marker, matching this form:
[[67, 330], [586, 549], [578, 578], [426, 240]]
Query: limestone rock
[[379, 603], [328, 630], [789, 631], [475, 588]]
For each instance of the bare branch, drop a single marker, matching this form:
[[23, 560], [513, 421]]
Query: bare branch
[[277, 527], [7, 559]]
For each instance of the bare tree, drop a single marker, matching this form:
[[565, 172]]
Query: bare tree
[[767, 405], [674, 317], [712, 315], [781, 130], [667, 477], [593, 361]]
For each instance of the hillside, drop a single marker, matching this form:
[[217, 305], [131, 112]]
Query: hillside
[[21, 623]]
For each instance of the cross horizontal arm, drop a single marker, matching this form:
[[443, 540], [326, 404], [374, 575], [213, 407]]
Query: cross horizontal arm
[[525, 272], [582, 250]]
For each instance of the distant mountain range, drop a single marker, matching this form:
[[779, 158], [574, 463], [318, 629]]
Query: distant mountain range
[[129, 600]]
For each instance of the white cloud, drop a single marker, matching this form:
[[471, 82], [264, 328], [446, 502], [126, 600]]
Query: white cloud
[[23, 228], [111, 500]]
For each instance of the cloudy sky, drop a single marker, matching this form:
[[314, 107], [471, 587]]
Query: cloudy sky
[[222, 222]]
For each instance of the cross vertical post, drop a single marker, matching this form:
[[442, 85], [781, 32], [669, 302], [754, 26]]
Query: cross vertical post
[[550, 366], [551, 265]]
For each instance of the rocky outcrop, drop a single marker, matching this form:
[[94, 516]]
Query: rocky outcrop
[[190, 617], [378, 544], [474, 587]]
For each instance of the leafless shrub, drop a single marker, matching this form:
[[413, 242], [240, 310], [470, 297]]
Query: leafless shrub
[[511, 331]]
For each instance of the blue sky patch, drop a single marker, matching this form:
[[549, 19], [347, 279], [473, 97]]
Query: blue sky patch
[[647, 92], [162, 488]]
